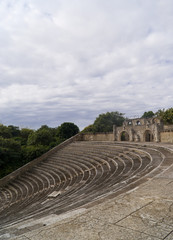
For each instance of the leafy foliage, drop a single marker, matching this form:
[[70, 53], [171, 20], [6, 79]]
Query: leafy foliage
[[24, 133], [10, 153], [5, 132], [31, 152], [40, 137], [67, 130], [104, 122], [148, 114], [88, 129], [160, 113], [166, 115], [17, 147]]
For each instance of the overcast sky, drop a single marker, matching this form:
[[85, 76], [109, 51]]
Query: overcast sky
[[70, 60]]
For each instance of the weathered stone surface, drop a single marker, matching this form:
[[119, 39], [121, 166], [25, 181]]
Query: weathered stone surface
[[169, 237], [144, 130], [142, 213]]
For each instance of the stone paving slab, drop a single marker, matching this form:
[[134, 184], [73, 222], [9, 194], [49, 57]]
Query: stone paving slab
[[145, 225], [160, 211], [170, 237]]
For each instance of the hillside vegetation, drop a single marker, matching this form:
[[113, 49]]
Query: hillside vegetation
[[18, 147]]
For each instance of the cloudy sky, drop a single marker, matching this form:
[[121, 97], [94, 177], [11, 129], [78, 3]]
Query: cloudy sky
[[70, 60]]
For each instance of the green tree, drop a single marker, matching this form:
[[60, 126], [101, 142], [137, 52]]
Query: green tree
[[31, 152], [11, 146], [40, 137], [167, 116], [44, 137], [10, 155], [17, 147], [5, 131], [15, 132], [88, 129], [148, 114], [25, 132], [160, 113], [104, 122], [67, 130], [53, 131]]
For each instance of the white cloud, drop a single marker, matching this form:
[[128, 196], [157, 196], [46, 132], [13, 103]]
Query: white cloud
[[71, 60]]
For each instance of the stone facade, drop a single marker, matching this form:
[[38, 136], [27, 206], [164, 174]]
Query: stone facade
[[139, 130], [135, 130]]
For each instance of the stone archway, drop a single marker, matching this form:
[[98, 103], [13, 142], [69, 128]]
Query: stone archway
[[124, 136], [148, 136]]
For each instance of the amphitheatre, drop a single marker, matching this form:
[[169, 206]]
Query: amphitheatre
[[95, 186]]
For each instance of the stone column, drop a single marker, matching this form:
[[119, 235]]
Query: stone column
[[156, 133], [115, 133], [131, 137]]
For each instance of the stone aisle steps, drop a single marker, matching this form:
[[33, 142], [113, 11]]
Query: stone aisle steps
[[81, 172]]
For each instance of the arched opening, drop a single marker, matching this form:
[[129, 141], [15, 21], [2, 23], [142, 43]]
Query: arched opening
[[148, 136], [129, 122], [138, 123], [124, 136]]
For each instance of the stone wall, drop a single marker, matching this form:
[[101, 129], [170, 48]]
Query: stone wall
[[98, 137], [168, 127], [167, 134], [167, 137]]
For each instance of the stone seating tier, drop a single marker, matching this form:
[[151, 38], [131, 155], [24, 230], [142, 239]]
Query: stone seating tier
[[80, 173]]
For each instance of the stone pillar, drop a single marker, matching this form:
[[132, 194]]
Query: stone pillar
[[115, 133], [156, 133], [131, 137]]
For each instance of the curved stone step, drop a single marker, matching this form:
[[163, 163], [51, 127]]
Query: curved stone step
[[78, 174]]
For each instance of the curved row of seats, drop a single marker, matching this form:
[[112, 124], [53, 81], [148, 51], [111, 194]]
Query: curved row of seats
[[79, 173]]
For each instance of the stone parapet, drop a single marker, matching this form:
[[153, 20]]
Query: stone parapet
[[98, 136]]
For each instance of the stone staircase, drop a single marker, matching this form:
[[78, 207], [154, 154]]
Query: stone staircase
[[81, 172]]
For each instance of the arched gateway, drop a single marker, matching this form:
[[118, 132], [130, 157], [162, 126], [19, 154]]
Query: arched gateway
[[148, 136], [139, 130], [124, 136]]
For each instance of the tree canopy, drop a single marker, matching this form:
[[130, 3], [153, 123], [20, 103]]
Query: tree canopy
[[104, 122], [166, 115], [148, 114], [17, 147], [67, 130]]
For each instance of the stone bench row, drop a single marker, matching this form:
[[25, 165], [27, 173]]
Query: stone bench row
[[61, 171], [79, 170]]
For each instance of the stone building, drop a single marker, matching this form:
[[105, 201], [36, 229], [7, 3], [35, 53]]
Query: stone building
[[135, 130], [139, 130]]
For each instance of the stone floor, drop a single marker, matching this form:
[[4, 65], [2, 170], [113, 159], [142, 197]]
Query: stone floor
[[145, 212]]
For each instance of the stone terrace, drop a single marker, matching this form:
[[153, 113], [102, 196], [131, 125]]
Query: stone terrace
[[92, 190]]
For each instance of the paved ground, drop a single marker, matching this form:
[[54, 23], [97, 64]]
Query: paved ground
[[145, 212]]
